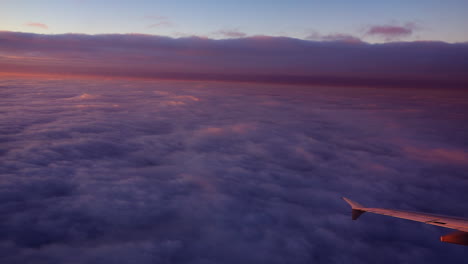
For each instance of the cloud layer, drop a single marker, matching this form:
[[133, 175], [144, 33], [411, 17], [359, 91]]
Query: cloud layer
[[251, 59], [193, 172]]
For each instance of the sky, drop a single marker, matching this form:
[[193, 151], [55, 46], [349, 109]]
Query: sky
[[304, 19]]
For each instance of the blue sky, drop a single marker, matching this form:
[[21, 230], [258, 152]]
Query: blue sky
[[430, 19]]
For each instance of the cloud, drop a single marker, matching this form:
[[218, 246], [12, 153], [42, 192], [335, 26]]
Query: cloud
[[159, 21], [259, 59], [84, 96], [340, 37], [439, 155], [37, 25], [230, 33], [391, 32], [232, 168], [159, 24]]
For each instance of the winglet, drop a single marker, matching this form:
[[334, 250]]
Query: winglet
[[357, 209]]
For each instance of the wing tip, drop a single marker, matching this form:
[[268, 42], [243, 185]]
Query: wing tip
[[353, 204], [356, 208]]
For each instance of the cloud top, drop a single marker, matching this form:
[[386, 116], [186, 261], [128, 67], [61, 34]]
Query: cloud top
[[250, 59], [391, 32], [117, 171], [230, 33]]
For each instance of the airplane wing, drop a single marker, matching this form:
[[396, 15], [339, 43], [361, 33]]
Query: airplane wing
[[461, 224]]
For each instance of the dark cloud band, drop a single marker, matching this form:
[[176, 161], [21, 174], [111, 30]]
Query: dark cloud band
[[251, 59]]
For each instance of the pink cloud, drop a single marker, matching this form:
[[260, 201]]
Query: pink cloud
[[438, 155], [38, 25], [391, 32], [240, 128]]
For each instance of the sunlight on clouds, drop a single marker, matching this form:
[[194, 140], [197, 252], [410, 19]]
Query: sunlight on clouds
[[113, 166], [438, 155], [84, 96]]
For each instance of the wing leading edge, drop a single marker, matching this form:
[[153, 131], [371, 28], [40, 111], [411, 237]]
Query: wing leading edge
[[461, 224]]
